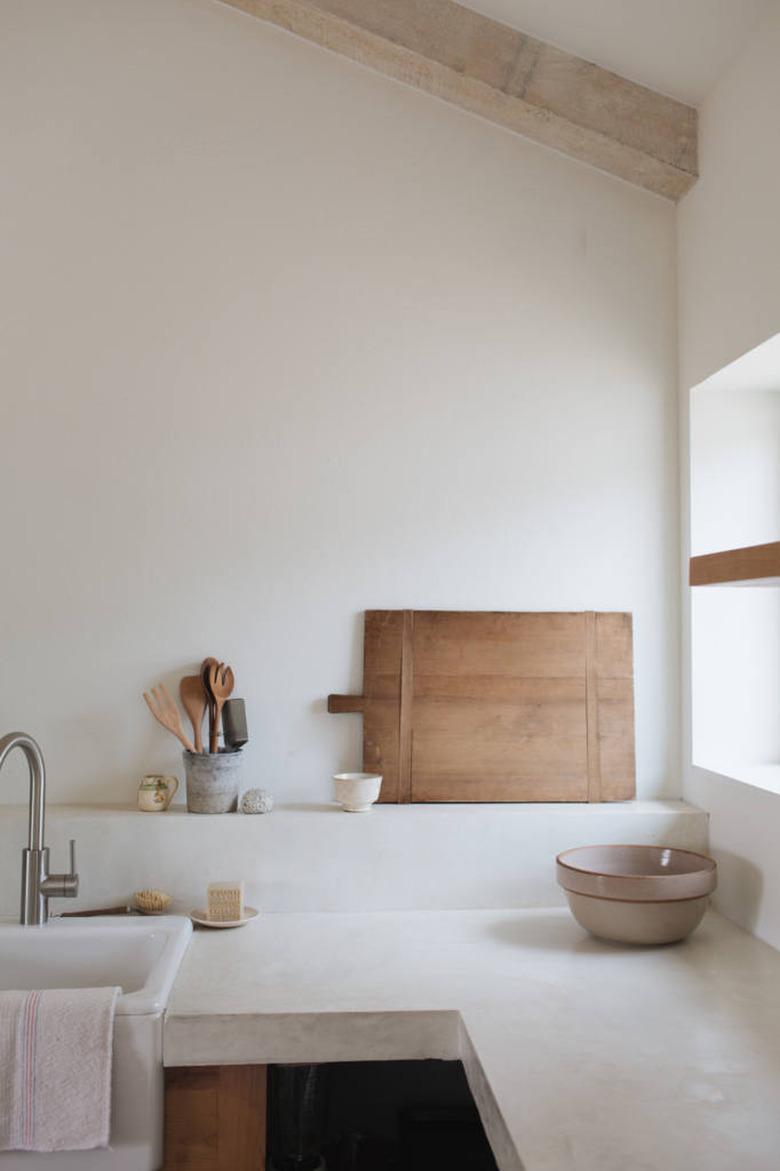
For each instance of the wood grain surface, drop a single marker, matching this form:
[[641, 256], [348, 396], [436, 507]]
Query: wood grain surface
[[752, 565], [476, 706], [215, 1118]]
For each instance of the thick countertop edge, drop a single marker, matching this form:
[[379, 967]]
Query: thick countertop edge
[[501, 1141], [312, 1037]]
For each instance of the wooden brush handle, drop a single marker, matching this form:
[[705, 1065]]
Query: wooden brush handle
[[98, 911]]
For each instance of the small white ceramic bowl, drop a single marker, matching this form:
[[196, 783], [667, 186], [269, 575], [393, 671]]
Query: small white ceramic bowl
[[356, 792], [637, 894]]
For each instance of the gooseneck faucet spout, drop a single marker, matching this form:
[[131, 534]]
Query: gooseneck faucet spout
[[38, 886], [37, 781]]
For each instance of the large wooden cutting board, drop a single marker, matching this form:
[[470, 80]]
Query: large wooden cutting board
[[461, 706]]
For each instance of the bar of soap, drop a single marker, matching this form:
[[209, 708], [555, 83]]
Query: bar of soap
[[226, 902]]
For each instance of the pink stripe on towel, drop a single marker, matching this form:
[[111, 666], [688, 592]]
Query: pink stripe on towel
[[55, 1069]]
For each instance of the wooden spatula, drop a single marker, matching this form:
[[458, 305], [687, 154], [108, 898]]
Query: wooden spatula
[[193, 700], [165, 711], [221, 684]]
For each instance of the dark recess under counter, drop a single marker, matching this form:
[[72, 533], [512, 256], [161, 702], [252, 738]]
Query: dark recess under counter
[[360, 1116]]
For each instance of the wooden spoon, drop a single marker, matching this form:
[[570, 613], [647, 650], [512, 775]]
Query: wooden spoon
[[205, 667], [193, 700], [165, 711], [221, 684]]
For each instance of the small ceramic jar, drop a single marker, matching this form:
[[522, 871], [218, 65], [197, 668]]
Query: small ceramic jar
[[156, 792]]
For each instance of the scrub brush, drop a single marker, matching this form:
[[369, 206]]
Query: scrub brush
[[151, 902]]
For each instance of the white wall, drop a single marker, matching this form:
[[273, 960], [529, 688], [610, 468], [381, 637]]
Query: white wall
[[283, 340], [729, 291], [735, 463], [735, 677]]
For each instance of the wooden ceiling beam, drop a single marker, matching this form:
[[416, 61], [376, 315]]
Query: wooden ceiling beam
[[549, 96]]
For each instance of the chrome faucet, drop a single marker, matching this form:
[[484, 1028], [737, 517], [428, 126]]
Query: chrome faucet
[[38, 886]]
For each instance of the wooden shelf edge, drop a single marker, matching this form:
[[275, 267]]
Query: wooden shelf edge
[[753, 565]]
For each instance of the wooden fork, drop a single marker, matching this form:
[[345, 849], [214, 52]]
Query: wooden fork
[[165, 711], [221, 684]]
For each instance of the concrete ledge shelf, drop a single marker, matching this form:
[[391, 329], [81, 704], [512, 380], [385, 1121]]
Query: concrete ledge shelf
[[317, 858]]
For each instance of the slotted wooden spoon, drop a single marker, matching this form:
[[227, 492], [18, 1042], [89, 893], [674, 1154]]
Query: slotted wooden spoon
[[193, 699], [221, 684]]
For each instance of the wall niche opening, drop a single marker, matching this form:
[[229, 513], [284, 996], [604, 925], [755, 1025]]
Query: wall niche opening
[[735, 520]]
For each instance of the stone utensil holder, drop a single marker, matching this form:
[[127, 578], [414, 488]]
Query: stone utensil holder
[[213, 781]]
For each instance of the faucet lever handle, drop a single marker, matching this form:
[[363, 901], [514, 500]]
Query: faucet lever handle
[[62, 886]]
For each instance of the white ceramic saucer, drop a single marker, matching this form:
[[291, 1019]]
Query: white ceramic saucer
[[199, 917]]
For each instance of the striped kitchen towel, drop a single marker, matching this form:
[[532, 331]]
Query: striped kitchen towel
[[55, 1069]]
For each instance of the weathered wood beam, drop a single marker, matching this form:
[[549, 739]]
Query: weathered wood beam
[[507, 77]]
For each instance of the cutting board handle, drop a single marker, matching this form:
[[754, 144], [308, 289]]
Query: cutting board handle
[[345, 703]]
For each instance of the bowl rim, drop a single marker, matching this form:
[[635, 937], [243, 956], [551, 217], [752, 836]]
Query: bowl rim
[[352, 778], [709, 863], [637, 902]]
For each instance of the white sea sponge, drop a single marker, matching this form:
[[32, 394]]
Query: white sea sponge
[[257, 801]]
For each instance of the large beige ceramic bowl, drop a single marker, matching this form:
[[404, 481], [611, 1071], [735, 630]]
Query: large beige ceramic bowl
[[637, 894]]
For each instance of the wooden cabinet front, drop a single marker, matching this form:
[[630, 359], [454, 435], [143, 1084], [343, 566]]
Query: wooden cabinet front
[[215, 1118]]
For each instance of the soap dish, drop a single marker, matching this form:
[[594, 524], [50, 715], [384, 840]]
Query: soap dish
[[200, 917]]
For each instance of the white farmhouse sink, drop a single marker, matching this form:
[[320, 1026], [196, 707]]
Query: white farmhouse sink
[[142, 957]]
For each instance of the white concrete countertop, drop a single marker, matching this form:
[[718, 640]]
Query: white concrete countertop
[[582, 1055]]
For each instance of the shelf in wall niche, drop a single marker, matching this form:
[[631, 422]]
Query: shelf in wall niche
[[754, 565], [758, 776]]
